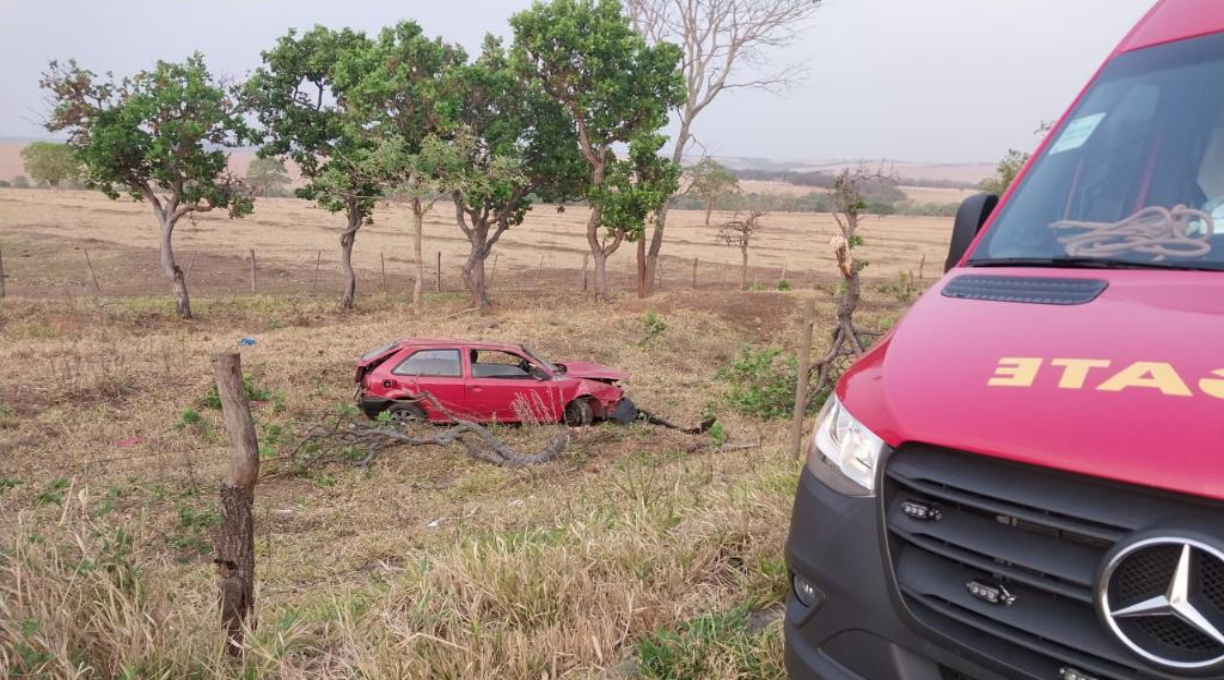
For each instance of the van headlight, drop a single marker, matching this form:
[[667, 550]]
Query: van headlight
[[843, 453]]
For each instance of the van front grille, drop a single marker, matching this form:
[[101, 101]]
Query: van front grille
[[1041, 536]]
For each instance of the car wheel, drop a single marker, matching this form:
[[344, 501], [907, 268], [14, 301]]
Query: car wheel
[[579, 412], [406, 414]]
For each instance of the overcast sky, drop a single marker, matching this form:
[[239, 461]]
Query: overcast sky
[[918, 80]]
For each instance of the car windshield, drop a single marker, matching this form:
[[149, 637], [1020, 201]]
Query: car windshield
[[542, 361], [1134, 177]]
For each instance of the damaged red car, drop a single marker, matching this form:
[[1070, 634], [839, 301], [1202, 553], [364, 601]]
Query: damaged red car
[[485, 382]]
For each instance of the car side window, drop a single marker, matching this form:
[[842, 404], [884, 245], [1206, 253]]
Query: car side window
[[437, 363], [497, 364]]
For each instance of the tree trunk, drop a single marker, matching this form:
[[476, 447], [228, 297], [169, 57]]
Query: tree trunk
[[656, 245], [418, 235], [709, 209], [660, 222], [346, 257], [645, 276], [601, 275], [744, 267], [599, 253], [474, 269], [171, 270], [846, 308]]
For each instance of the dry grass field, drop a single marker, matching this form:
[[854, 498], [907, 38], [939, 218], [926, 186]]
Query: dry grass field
[[44, 235], [641, 552]]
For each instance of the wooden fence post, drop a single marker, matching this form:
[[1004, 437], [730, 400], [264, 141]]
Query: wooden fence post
[[921, 266], [585, 257], [234, 549], [694, 273], [783, 277], [539, 268], [1, 273], [438, 282], [489, 284], [191, 263], [382, 260], [253, 287], [92, 275], [801, 392]]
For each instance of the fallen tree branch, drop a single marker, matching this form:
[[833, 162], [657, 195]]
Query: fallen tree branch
[[353, 439]]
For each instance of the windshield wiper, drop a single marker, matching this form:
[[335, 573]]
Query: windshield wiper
[[1092, 263]]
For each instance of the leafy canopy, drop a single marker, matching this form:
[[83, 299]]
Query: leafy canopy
[[165, 129], [711, 180], [308, 117], [509, 143], [50, 163], [1005, 172], [267, 176], [614, 89]]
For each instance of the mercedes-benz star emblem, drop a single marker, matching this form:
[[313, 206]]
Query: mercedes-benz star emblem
[[1157, 600]]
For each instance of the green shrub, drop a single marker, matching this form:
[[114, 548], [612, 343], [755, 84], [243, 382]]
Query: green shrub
[[761, 382], [784, 285], [254, 392], [902, 289], [653, 326]]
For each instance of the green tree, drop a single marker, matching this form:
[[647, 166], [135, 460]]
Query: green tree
[[267, 176], [21, 182], [1005, 172], [158, 136], [50, 163], [511, 145], [711, 181], [403, 93], [308, 118], [615, 89]]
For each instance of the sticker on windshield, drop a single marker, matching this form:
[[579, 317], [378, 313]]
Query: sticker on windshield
[[1076, 133]]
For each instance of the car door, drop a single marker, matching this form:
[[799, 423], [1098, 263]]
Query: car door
[[500, 379], [438, 371]]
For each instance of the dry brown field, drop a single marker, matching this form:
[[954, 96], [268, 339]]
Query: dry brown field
[[44, 235], [640, 552]]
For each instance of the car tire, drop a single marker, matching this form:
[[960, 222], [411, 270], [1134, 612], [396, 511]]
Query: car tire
[[579, 413], [406, 414]]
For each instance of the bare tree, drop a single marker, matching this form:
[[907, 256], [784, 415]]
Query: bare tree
[[726, 43], [738, 232], [849, 209]]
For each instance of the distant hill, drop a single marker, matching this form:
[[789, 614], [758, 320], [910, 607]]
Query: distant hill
[[969, 173]]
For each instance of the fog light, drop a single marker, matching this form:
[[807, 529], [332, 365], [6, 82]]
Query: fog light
[[805, 592]]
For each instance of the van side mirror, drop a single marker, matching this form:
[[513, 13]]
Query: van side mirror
[[970, 216]]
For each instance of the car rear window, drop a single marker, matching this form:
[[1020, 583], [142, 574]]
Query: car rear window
[[441, 363], [378, 351]]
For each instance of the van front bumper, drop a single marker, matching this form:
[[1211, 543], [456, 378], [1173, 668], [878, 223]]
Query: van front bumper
[[854, 628]]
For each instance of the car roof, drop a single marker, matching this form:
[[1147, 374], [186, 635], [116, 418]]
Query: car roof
[[1171, 20], [457, 342]]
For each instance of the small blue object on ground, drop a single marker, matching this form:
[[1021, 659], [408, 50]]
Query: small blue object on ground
[[247, 342]]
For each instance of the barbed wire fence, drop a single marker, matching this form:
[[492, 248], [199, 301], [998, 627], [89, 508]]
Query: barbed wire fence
[[115, 272]]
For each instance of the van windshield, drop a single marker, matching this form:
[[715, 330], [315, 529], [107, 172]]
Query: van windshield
[[1134, 177]]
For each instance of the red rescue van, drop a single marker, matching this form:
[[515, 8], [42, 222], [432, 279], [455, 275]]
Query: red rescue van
[[1025, 477]]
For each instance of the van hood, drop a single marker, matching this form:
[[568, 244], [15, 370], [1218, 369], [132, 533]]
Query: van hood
[[1128, 386], [589, 371]]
